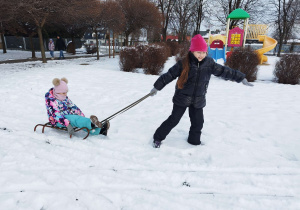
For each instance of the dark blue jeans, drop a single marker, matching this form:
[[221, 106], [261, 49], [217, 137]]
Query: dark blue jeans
[[61, 54], [52, 53], [196, 118]]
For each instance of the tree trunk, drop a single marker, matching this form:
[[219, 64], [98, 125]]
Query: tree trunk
[[109, 45], [73, 46], [164, 34], [280, 46], [199, 17], [184, 37], [126, 39], [97, 44], [179, 37], [131, 41], [274, 52], [279, 49], [32, 47], [292, 47], [39, 30], [113, 45], [3, 43]]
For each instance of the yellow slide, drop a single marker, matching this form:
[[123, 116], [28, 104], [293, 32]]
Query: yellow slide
[[268, 44]]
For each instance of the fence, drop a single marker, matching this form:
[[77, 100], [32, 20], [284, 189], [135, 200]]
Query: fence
[[286, 48], [23, 43]]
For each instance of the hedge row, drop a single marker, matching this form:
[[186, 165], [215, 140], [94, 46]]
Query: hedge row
[[149, 57]]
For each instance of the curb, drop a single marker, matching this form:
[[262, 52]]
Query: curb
[[48, 59]]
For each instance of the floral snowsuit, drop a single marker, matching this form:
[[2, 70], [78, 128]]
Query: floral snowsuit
[[57, 110]]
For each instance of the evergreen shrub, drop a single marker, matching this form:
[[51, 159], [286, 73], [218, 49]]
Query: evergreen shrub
[[287, 69], [245, 60]]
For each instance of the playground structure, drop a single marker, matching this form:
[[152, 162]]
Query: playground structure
[[268, 44], [216, 48], [236, 38], [254, 30]]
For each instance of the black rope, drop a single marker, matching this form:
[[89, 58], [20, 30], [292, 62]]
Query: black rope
[[126, 108]]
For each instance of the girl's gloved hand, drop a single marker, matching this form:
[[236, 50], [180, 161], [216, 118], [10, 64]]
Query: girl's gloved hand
[[70, 129], [153, 91], [245, 82]]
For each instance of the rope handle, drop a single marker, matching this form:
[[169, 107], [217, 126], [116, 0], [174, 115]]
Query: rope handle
[[126, 108]]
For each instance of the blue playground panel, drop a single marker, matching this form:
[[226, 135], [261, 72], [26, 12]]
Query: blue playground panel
[[217, 53]]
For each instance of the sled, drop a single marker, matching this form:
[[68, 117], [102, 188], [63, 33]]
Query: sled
[[49, 125]]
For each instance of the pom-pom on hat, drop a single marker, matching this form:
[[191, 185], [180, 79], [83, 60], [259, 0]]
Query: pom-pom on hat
[[198, 44], [60, 85]]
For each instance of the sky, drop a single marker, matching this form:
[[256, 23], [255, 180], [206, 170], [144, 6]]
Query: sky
[[249, 160]]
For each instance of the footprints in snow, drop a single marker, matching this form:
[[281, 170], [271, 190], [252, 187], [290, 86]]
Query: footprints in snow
[[5, 129], [186, 184]]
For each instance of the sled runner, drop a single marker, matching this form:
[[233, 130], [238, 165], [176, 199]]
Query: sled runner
[[48, 125]]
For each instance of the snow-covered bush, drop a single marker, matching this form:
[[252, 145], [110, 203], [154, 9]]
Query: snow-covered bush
[[129, 59], [183, 49], [154, 59], [287, 69], [149, 57], [71, 48], [173, 47], [166, 48], [140, 58], [245, 60]]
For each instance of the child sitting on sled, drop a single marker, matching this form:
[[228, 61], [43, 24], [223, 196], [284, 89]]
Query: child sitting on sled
[[62, 112]]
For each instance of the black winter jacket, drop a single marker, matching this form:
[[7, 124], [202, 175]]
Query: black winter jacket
[[60, 44], [194, 90]]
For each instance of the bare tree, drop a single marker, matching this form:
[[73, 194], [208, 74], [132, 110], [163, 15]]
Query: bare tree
[[287, 13], [112, 16], [73, 22], [76, 19], [200, 4], [94, 14], [112, 19], [101, 16], [183, 22], [8, 9], [139, 14], [220, 9], [166, 8], [39, 12], [23, 27], [92, 18]]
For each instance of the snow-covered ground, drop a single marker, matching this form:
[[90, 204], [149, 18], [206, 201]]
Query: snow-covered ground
[[249, 160]]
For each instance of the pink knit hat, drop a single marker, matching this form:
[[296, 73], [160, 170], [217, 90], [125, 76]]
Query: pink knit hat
[[198, 44], [60, 86]]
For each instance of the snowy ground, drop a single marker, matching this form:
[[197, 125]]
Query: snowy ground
[[250, 159]]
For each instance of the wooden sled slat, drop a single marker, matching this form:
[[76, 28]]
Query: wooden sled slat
[[48, 125]]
